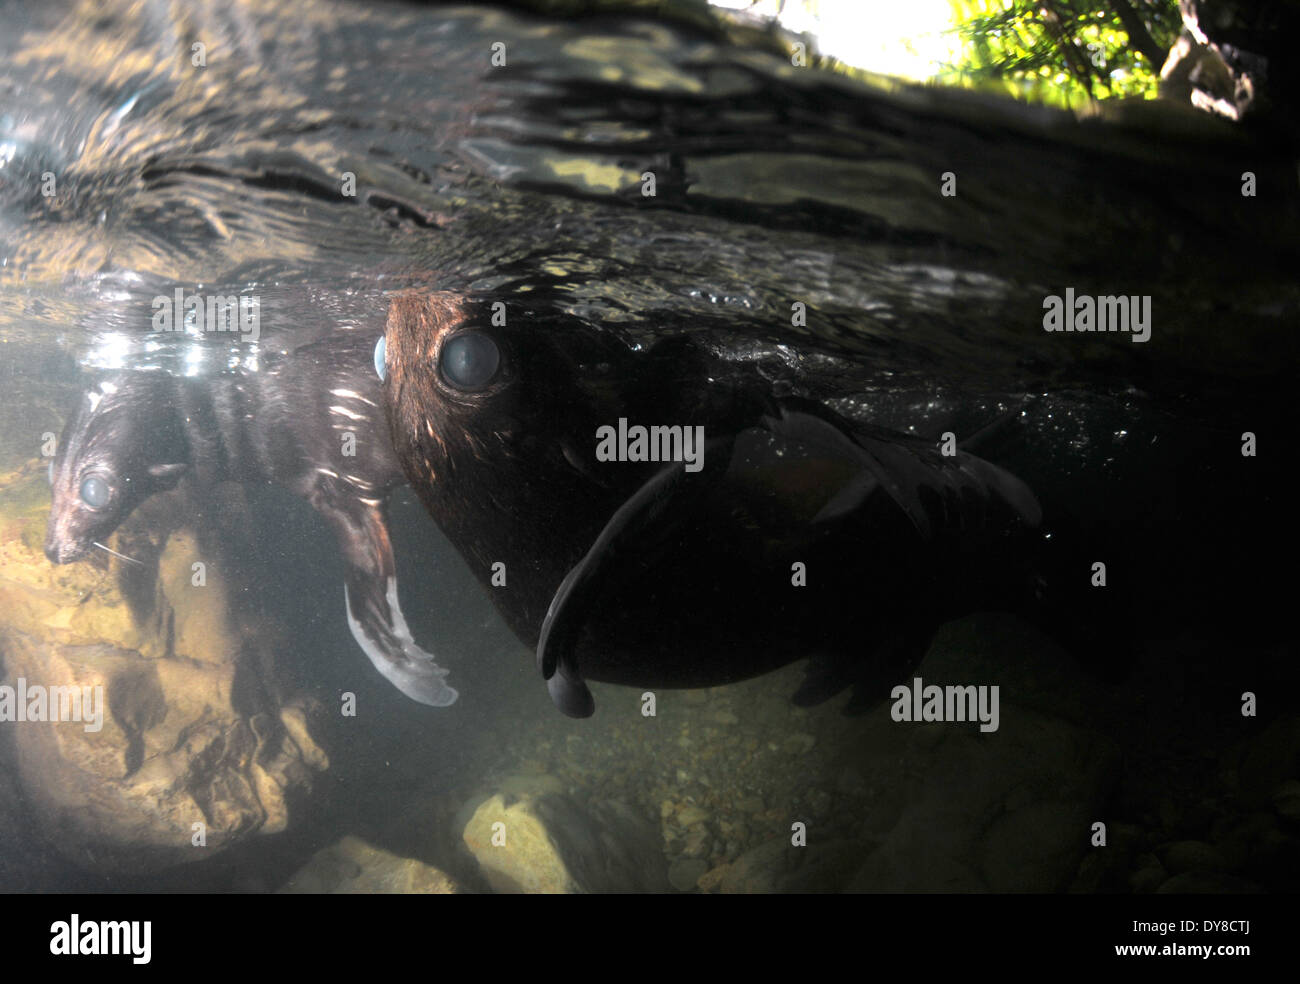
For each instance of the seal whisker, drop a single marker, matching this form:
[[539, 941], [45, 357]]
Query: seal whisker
[[130, 560]]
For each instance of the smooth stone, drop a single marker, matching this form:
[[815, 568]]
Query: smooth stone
[[1094, 872], [554, 845], [819, 801], [685, 873], [778, 867], [1271, 758], [712, 880], [1148, 878], [800, 744], [1026, 850], [1207, 883], [1191, 855], [698, 842], [1286, 799], [849, 781], [353, 867], [530, 785], [954, 830], [690, 815]]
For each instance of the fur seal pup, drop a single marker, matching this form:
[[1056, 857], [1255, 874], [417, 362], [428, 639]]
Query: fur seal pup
[[793, 533], [137, 432]]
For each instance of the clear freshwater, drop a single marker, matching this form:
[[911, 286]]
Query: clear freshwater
[[325, 158]]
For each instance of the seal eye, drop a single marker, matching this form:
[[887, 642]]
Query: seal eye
[[381, 347], [470, 360], [95, 492]]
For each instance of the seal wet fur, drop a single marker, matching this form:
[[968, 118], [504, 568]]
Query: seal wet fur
[[136, 433], [649, 575]]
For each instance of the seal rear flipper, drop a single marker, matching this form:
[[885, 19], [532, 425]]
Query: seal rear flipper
[[380, 630], [891, 664], [826, 675], [647, 505], [871, 675], [933, 490]]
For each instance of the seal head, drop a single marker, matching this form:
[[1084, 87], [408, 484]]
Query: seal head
[[118, 448]]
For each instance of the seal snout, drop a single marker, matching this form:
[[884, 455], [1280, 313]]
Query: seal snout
[[62, 546], [61, 552]]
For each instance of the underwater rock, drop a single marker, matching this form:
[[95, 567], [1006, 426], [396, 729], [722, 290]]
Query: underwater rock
[[1004, 811], [1096, 871], [711, 881], [690, 815], [1149, 876], [1183, 856], [353, 867], [698, 843], [939, 844], [20, 871], [1207, 883], [548, 844], [1246, 839], [1286, 799], [178, 750], [685, 873], [525, 784], [1111, 870], [758, 870], [1270, 758], [820, 801], [925, 852], [1261, 848], [799, 744], [1001, 648], [1029, 849], [778, 867]]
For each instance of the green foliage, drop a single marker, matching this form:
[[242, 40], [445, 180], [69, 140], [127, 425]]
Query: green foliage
[[1063, 52]]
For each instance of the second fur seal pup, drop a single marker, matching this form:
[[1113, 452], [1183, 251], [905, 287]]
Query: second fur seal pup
[[137, 432]]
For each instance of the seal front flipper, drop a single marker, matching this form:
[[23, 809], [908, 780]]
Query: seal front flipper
[[390, 646], [643, 508], [370, 596], [570, 693], [563, 615]]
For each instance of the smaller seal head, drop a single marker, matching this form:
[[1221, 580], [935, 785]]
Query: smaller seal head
[[119, 448]]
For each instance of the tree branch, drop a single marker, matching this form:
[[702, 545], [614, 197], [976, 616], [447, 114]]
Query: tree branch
[[1138, 35], [1076, 62]]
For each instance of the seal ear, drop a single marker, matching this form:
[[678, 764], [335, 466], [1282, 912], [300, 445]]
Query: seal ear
[[168, 475]]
